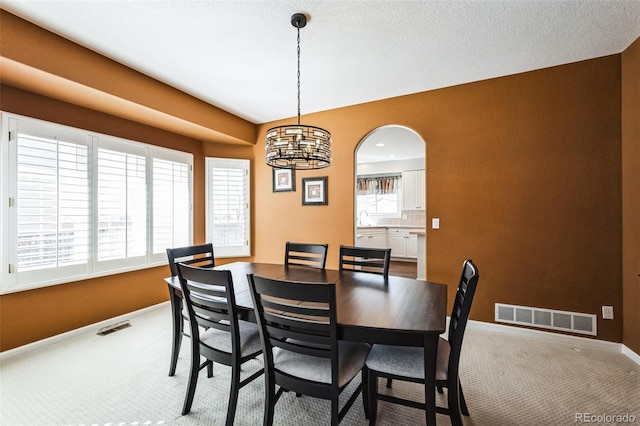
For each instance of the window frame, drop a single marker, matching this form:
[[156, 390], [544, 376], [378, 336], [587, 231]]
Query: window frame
[[11, 279], [232, 163]]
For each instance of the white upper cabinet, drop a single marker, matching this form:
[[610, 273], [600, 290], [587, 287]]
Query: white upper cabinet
[[413, 190]]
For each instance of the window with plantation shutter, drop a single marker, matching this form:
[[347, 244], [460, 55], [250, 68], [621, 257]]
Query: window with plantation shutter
[[227, 216], [82, 205], [53, 215], [122, 198], [171, 205]]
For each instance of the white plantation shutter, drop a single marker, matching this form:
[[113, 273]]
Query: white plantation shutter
[[122, 205], [228, 217], [53, 211], [171, 205], [82, 205]]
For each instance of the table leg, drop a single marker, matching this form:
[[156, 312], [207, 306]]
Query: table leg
[[430, 354]]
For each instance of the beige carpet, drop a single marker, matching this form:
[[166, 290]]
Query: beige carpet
[[121, 379]]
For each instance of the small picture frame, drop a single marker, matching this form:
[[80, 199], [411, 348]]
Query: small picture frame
[[315, 191], [284, 180]]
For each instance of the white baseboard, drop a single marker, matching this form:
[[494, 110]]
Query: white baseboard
[[555, 337], [631, 354], [91, 328]]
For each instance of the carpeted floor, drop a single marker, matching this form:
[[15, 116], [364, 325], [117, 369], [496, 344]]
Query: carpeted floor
[[121, 380]]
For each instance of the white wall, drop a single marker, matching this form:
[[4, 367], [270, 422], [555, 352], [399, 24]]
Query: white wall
[[389, 166]]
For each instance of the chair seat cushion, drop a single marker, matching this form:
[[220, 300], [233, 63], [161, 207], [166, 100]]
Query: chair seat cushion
[[407, 361], [351, 359], [221, 340]]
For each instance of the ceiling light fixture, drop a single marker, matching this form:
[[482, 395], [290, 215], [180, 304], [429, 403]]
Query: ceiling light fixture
[[297, 146]]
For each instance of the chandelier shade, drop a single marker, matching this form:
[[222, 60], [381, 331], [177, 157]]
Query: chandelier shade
[[298, 146]]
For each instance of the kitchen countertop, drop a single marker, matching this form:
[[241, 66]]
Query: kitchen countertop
[[390, 226]]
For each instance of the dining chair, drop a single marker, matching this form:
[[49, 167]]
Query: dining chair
[[197, 255], [210, 300], [407, 363], [365, 259], [313, 255], [301, 350]]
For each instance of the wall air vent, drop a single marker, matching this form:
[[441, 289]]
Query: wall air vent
[[571, 322]]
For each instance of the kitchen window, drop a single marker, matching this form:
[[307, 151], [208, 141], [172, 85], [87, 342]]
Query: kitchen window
[[379, 195]]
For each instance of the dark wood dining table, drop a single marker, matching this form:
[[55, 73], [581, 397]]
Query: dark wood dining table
[[371, 308]]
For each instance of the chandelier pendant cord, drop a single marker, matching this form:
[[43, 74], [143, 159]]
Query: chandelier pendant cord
[[298, 27]]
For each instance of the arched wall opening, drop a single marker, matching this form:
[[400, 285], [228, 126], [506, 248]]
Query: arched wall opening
[[390, 195]]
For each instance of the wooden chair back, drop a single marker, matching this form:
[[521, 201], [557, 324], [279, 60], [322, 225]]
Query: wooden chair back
[[313, 255], [465, 292], [210, 300], [365, 259], [299, 320], [198, 255], [297, 317]]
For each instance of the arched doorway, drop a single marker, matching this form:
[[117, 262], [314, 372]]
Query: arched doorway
[[390, 196]]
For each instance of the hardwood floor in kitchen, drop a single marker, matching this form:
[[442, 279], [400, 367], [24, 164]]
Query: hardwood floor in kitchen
[[403, 269]]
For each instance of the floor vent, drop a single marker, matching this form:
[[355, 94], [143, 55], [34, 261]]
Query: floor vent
[[114, 327], [572, 322]]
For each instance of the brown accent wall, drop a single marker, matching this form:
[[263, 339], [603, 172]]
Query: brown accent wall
[[523, 171], [631, 195]]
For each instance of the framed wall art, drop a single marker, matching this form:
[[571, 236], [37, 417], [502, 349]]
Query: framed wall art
[[284, 180], [315, 191]]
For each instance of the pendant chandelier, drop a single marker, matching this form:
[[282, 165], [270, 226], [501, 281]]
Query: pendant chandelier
[[298, 146]]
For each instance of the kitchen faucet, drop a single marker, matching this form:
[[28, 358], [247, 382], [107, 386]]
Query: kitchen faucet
[[360, 216]]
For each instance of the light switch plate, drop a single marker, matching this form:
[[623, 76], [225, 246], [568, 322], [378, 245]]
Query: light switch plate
[[607, 312], [435, 223]]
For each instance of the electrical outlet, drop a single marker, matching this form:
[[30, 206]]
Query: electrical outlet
[[607, 312]]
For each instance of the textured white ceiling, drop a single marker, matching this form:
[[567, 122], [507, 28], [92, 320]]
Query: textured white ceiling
[[390, 143], [241, 55]]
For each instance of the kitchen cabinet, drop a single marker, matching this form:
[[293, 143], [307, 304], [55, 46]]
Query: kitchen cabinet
[[371, 237], [413, 190], [412, 246], [403, 243], [397, 243]]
